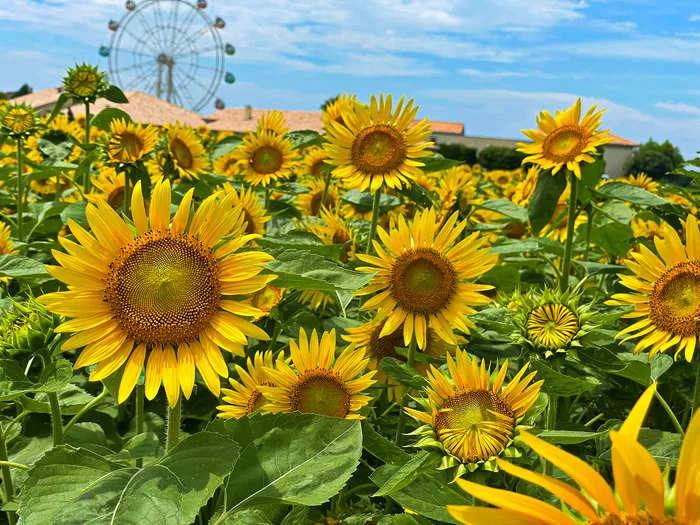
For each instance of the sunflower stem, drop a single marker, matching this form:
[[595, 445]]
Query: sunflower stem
[[20, 191], [56, 422], [696, 392], [326, 186], [404, 399], [127, 194], [375, 216], [98, 400], [589, 228], [58, 187], [670, 413], [139, 417], [268, 194], [566, 261], [7, 478], [173, 417], [86, 181]]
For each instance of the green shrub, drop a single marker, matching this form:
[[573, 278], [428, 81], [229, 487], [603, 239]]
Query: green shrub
[[466, 154], [500, 158], [655, 159]]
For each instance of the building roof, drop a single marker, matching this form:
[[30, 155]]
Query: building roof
[[617, 140], [620, 141], [148, 109], [233, 119], [40, 99]]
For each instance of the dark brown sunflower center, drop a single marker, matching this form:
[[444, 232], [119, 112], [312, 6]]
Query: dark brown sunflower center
[[552, 325], [422, 281], [378, 149], [641, 518], [317, 168], [116, 197], [131, 143], [266, 159], [381, 347], [182, 153], [250, 222], [564, 144], [316, 202], [163, 288], [321, 392], [675, 300], [255, 402]]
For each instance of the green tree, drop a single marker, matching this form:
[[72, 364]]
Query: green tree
[[500, 158], [24, 90], [655, 159], [461, 152], [329, 101]]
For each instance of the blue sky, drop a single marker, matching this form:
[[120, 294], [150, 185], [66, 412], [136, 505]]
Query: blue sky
[[492, 64]]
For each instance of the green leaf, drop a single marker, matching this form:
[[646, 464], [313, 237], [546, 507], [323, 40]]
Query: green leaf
[[503, 277], [46, 210], [498, 319], [305, 138], [364, 201], [544, 200], [418, 194], [380, 447], [515, 246], [560, 384], [297, 516], [13, 381], [427, 496], [593, 268], [105, 117], [617, 211], [55, 151], [302, 270], [146, 444], [437, 162], [62, 99], [55, 376], [20, 267], [600, 358], [84, 166], [629, 193], [116, 95], [591, 173], [292, 188], [568, 437], [302, 460], [398, 519], [405, 475], [303, 241], [226, 146], [507, 208], [613, 237], [76, 212], [402, 373], [643, 370]]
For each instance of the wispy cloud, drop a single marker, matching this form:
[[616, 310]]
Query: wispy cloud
[[686, 109]]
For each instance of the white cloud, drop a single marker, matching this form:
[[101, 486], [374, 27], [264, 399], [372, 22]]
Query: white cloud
[[670, 49], [694, 18], [612, 26], [679, 108]]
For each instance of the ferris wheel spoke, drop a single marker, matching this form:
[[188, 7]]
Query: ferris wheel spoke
[[183, 87], [174, 26], [138, 54], [145, 43], [142, 77], [203, 66], [145, 25], [199, 52], [184, 29], [161, 27], [185, 40], [135, 66]]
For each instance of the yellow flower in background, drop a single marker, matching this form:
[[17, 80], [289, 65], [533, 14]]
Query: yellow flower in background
[[316, 299], [668, 300], [565, 141], [6, 245], [157, 296], [640, 497], [266, 299], [309, 203], [18, 119], [109, 186], [253, 210], [422, 277], [317, 382], [246, 398], [203, 131], [44, 187], [644, 181], [456, 190], [333, 112], [557, 227], [272, 121], [130, 142], [647, 229], [186, 151], [469, 413], [59, 132], [526, 188], [333, 230], [228, 165], [375, 147], [266, 157], [313, 164]]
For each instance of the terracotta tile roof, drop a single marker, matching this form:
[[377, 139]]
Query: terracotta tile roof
[[147, 109], [233, 119], [620, 141], [39, 99]]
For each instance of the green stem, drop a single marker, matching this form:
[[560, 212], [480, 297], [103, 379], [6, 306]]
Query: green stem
[[566, 262], [98, 400], [670, 413], [7, 478], [275, 334], [551, 424], [326, 186], [127, 194], [20, 191], [696, 392], [173, 434], [589, 228], [10, 464], [268, 193], [58, 186], [404, 398], [86, 182], [375, 216], [593, 420], [56, 422], [139, 417]]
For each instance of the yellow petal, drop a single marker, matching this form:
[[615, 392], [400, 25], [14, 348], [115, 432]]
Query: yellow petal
[[132, 372], [185, 362], [634, 421], [154, 372], [171, 381], [138, 210]]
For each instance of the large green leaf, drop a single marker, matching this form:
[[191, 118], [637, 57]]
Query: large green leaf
[[116, 95], [507, 208], [561, 384], [544, 200], [416, 193], [14, 382], [225, 147], [303, 241], [364, 200], [406, 474], [437, 162], [568, 437], [402, 373], [20, 267], [629, 193], [105, 117], [613, 237], [304, 138], [380, 447]]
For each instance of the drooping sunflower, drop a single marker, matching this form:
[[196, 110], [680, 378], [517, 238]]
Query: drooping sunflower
[[565, 141], [309, 203], [314, 163], [317, 382], [266, 299], [272, 121], [374, 146], [644, 181], [469, 415], [334, 230], [186, 151], [640, 496], [246, 398], [422, 277], [526, 188], [228, 165], [266, 157], [18, 119], [109, 186], [316, 299], [158, 296], [130, 142], [668, 302], [253, 209]]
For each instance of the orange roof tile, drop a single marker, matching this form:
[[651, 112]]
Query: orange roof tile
[[620, 141], [39, 99]]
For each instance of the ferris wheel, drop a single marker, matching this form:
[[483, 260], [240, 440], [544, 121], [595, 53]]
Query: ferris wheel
[[170, 49]]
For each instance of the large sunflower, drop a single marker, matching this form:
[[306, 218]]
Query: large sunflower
[[640, 498], [309, 203], [317, 382], [253, 209], [469, 414], [421, 277], [564, 141], [668, 302], [374, 146], [266, 157], [246, 398], [130, 142], [186, 151], [156, 295]]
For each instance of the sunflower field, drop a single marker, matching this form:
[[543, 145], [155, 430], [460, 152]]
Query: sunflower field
[[294, 328]]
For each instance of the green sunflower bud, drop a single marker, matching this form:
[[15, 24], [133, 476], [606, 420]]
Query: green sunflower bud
[[85, 82], [26, 328], [18, 120]]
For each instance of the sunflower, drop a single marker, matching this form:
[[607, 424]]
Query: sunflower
[[265, 157], [334, 110], [18, 119], [316, 299], [421, 277], [130, 142], [253, 210], [314, 163], [456, 190], [186, 151], [469, 415], [228, 165], [58, 132], [374, 147], [44, 187], [155, 294], [526, 188], [109, 186], [317, 383], [246, 398], [6, 245], [646, 229], [266, 299], [557, 227], [309, 203], [334, 230], [272, 121], [644, 181], [640, 499], [203, 131], [668, 302], [564, 141]]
